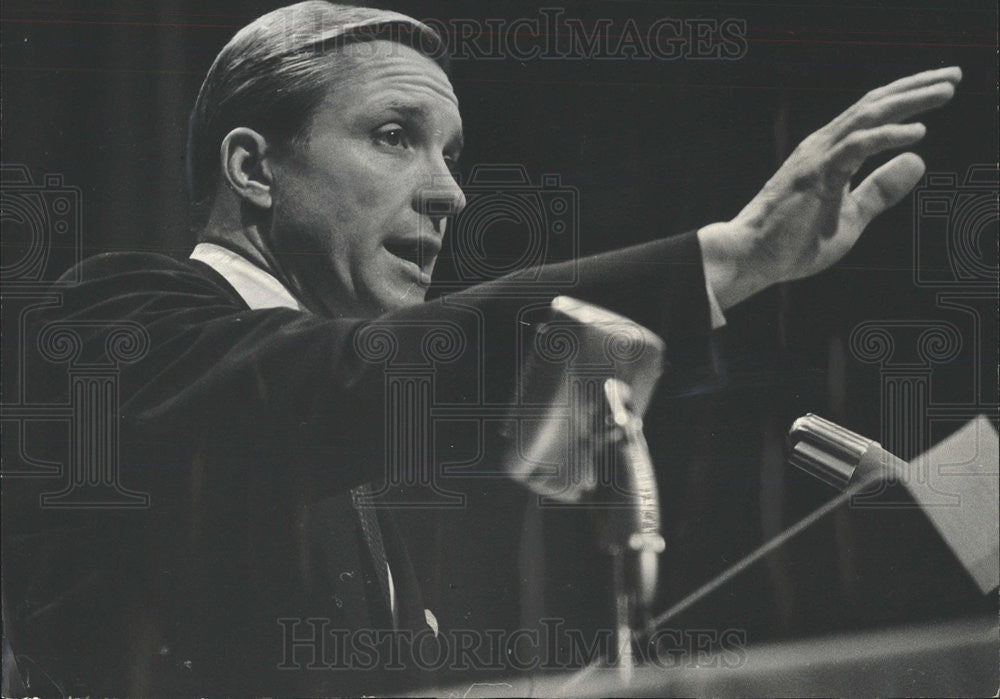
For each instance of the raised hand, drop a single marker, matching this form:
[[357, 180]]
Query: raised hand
[[806, 217]]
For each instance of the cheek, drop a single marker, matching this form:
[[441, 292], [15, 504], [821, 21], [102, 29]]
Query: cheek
[[367, 212], [345, 203], [315, 211], [373, 195]]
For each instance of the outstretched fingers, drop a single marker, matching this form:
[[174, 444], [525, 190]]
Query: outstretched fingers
[[892, 109], [850, 153], [887, 186], [951, 75], [896, 101]]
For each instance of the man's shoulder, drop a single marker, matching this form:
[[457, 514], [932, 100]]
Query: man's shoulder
[[146, 271], [142, 285], [114, 263]]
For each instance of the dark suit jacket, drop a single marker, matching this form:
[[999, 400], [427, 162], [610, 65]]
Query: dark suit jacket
[[246, 428]]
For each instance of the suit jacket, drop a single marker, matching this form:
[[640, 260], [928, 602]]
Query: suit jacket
[[246, 429]]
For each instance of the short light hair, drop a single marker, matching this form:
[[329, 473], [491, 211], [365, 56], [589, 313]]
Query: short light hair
[[274, 73]]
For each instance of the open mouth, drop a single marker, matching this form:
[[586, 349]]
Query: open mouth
[[419, 251]]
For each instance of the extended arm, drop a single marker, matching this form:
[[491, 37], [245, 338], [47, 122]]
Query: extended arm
[[279, 394]]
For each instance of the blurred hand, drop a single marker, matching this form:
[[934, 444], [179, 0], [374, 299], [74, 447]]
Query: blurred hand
[[806, 217]]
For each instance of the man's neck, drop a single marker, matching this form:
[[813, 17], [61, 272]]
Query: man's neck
[[245, 239], [257, 288], [246, 243], [230, 228]]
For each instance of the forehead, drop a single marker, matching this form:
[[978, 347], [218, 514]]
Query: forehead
[[377, 74]]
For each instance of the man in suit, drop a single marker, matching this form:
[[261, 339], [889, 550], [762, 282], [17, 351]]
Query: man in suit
[[321, 150]]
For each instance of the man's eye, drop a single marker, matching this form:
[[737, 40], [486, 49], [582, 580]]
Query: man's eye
[[392, 136]]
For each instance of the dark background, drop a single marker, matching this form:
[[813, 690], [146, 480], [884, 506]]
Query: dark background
[[100, 93]]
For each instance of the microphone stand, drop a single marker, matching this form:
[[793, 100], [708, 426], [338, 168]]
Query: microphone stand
[[848, 461], [631, 532]]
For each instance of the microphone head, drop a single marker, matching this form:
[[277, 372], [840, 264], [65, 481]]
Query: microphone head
[[826, 450], [560, 432]]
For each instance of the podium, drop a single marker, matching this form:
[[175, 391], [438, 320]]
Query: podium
[[948, 659], [915, 618]]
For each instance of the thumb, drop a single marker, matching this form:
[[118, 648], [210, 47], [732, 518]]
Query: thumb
[[887, 186]]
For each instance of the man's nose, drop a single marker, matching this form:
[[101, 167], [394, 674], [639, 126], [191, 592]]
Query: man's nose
[[440, 200]]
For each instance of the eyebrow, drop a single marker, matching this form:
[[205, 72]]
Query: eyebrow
[[406, 108], [419, 111]]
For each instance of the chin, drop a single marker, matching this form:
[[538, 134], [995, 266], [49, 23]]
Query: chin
[[396, 301], [415, 298]]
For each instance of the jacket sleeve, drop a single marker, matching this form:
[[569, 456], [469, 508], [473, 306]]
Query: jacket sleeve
[[279, 394]]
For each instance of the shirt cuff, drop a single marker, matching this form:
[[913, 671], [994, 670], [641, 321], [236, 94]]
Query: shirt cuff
[[718, 319]]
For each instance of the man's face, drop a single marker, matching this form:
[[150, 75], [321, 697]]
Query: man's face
[[357, 209]]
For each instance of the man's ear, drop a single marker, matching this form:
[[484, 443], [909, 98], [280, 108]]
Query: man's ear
[[245, 167]]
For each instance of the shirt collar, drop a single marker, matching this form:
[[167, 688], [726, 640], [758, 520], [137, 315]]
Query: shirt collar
[[258, 288]]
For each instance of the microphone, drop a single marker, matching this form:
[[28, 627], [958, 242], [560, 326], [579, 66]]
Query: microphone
[[576, 437], [561, 430], [837, 456]]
